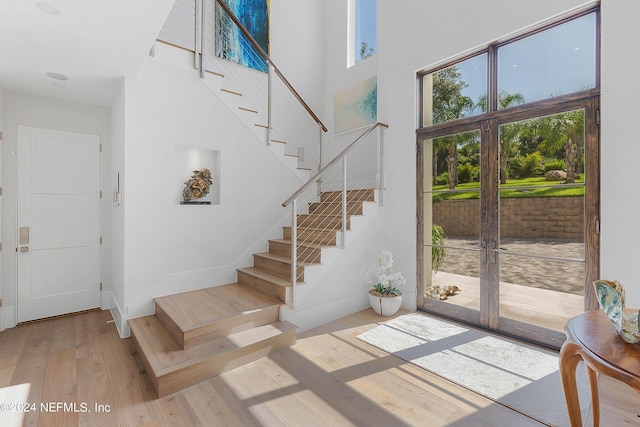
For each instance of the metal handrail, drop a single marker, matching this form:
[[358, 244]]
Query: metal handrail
[[264, 55], [339, 157], [339, 179]]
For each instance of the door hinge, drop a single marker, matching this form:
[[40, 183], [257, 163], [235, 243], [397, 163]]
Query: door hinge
[[598, 116], [100, 285], [101, 148], [597, 226], [0, 191], [0, 247], [100, 240], [100, 194]]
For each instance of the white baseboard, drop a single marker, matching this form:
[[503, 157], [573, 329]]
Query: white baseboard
[[119, 319], [307, 318], [9, 319]]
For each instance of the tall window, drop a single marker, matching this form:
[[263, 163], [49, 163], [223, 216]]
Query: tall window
[[363, 30]]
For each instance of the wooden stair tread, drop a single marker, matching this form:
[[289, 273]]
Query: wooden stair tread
[[312, 228], [327, 214], [256, 272], [301, 244], [194, 309], [165, 356], [278, 257], [363, 195]]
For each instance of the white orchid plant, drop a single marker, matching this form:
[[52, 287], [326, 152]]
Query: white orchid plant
[[382, 278]]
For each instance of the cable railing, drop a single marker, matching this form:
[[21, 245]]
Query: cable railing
[[280, 109], [322, 208]]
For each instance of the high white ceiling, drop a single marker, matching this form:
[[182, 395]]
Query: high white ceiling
[[93, 42]]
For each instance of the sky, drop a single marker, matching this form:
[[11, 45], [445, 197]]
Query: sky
[[559, 60], [366, 25]]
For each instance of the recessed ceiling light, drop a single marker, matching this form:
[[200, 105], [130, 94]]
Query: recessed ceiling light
[[47, 8], [57, 76], [58, 85]]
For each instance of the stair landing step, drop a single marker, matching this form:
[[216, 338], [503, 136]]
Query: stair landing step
[[204, 314], [171, 368]]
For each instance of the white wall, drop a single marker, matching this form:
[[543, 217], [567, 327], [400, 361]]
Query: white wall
[[1, 114], [296, 47], [336, 287], [30, 110], [169, 248], [412, 35], [115, 290], [620, 130]]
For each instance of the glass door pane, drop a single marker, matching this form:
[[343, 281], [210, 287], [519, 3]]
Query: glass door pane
[[451, 224], [541, 247]]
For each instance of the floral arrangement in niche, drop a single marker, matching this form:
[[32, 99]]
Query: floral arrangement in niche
[[381, 277]]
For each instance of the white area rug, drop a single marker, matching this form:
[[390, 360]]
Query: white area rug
[[522, 377]]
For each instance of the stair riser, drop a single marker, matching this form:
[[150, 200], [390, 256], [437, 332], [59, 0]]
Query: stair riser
[[231, 325], [147, 366], [171, 326], [322, 221], [194, 374], [277, 268], [367, 195], [305, 253], [353, 208], [264, 286], [317, 237]]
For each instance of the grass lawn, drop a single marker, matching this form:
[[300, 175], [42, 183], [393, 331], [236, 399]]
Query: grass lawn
[[526, 187]]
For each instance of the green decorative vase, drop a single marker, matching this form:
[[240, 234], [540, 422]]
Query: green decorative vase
[[610, 295]]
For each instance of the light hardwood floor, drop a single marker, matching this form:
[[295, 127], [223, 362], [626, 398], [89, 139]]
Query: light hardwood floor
[[329, 378]]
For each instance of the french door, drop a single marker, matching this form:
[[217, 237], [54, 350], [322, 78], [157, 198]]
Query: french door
[[509, 236]]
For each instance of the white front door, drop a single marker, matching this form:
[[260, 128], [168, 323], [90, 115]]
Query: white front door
[[58, 222]]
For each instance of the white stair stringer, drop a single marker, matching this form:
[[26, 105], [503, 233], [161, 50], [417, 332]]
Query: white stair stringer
[[254, 121], [335, 288]]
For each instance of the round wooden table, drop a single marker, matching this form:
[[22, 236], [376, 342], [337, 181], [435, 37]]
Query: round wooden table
[[591, 337]]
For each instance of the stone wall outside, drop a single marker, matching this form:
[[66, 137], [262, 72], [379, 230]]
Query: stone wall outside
[[536, 217]]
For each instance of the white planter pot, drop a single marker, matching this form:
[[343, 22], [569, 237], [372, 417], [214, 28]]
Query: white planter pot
[[385, 306]]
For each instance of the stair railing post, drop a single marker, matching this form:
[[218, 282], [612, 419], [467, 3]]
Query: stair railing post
[[344, 203], [380, 179], [294, 252], [200, 23], [269, 100], [320, 144]]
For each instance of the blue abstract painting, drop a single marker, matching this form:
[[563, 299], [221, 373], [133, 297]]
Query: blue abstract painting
[[356, 107], [232, 44]]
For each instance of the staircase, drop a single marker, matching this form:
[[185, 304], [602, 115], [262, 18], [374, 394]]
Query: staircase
[[200, 334]]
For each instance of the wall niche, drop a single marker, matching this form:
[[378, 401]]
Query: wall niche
[[188, 159]]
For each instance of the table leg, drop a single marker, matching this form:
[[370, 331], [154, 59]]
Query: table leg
[[595, 398], [569, 358]]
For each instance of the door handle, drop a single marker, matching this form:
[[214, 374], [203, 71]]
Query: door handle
[[483, 246], [24, 235]]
